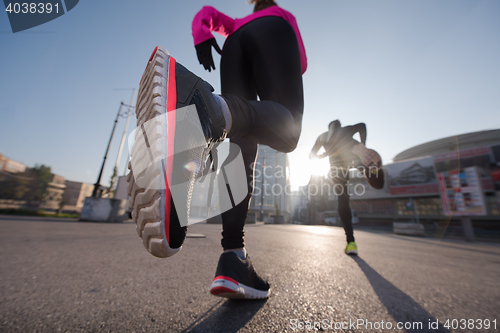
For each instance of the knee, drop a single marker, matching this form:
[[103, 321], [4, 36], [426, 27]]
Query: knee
[[291, 143], [289, 147]]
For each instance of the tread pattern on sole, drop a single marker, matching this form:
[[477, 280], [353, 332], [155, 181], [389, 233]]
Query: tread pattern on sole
[[147, 199], [368, 157]]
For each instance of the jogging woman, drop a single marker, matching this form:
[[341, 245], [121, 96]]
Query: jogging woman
[[262, 63]]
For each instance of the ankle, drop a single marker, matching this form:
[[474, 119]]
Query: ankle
[[240, 252], [228, 118]]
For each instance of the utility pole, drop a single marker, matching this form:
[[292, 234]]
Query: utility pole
[[98, 183], [124, 132]]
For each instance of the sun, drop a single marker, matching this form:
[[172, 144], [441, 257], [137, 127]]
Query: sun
[[302, 168]]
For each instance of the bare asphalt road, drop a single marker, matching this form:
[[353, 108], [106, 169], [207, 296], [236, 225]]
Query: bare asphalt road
[[62, 275]]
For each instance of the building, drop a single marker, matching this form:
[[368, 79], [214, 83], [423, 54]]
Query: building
[[451, 144], [271, 184], [121, 188], [19, 189], [75, 194], [53, 199], [272, 187], [299, 204], [9, 171], [418, 180], [10, 166], [438, 181]]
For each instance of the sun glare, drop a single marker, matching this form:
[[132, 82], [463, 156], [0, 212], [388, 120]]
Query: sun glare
[[319, 167], [302, 169]]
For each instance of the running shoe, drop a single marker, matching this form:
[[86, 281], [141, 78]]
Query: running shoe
[[236, 279], [178, 123], [351, 248], [375, 177], [369, 157], [372, 165]]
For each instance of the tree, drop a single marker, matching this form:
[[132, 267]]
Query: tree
[[14, 187], [41, 176], [111, 191], [31, 185]]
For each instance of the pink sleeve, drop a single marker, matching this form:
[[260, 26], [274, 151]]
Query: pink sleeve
[[209, 19]]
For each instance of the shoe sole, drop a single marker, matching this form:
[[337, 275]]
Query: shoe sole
[[151, 207], [369, 157], [223, 286], [352, 252], [376, 180]]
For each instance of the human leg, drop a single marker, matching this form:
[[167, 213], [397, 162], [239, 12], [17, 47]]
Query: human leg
[[253, 64], [275, 120], [371, 164], [168, 156], [233, 220], [345, 214], [235, 276], [262, 59], [341, 188], [236, 80]]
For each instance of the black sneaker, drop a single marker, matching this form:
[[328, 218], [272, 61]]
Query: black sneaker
[[372, 165], [376, 178], [237, 279], [178, 123]]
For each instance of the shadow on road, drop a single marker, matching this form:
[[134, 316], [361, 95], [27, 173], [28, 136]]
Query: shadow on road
[[448, 244], [400, 306], [226, 316]]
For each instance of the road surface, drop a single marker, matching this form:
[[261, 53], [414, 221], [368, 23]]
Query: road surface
[[63, 275]]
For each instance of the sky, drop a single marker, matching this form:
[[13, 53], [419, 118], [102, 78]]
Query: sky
[[413, 71]]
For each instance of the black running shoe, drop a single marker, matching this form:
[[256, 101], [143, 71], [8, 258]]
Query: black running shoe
[[375, 178], [372, 163], [178, 123], [237, 279], [369, 157]]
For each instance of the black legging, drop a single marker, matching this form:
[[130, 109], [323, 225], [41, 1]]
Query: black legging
[[340, 178], [260, 59], [341, 187]]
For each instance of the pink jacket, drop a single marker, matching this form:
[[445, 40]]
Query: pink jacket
[[209, 19]]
